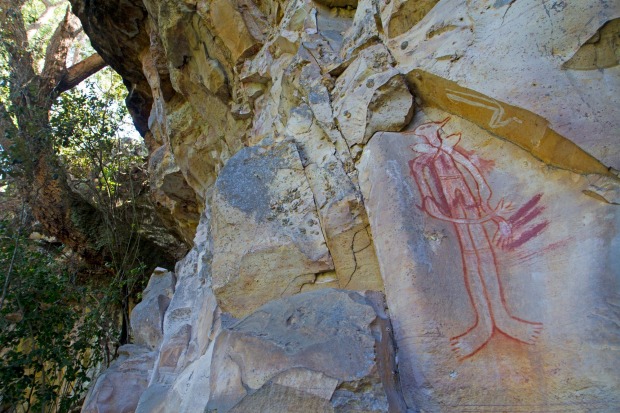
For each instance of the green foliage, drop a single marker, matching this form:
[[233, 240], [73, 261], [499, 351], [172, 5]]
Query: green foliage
[[53, 332], [106, 164], [57, 326], [42, 20], [92, 134]]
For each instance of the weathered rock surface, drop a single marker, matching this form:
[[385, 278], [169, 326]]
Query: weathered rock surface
[[191, 319], [399, 16], [492, 295], [494, 234], [317, 344], [147, 318], [369, 96], [453, 41], [119, 388], [326, 350], [267, 237]]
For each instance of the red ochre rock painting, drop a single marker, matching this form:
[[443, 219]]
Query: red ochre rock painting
[[453, 189]]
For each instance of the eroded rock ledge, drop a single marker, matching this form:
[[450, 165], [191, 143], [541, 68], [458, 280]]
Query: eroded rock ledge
[[394, 205]]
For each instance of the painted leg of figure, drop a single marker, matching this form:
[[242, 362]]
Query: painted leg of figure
[[468, 343], [522, 330]]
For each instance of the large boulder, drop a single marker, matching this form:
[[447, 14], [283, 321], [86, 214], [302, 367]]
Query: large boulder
[[507, 266], [267, 237], [147, 317], [118, 389], [328, 348]]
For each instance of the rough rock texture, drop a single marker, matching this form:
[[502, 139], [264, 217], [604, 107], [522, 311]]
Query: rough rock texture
[[460, 156], [279, 350], [267, 238], [147, 317], [473, 239], [119, 388], [317, 343], [527, 73]]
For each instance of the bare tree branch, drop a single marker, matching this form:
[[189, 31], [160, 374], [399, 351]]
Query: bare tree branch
[[44, 19], [79, 72], [42, 185], [57, 50], [80, 40], [41, 181]]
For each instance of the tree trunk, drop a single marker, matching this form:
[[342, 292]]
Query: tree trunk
[[26, 132]]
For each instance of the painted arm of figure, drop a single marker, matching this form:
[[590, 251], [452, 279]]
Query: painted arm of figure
[[417, 167], [430, 206], [447, 145], [513, 229], [485, 193]]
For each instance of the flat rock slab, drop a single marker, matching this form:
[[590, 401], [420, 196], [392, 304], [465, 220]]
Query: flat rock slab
[[119, 388], [276, 398], [501, 276], [305, 346], [267, 238]]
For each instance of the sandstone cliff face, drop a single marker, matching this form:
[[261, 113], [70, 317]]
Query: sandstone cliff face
[[394, 205]]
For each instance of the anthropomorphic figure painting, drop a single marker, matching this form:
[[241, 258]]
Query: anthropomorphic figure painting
[[453, 189]]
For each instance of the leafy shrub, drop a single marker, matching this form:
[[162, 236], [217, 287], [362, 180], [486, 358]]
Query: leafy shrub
[[53, 332]]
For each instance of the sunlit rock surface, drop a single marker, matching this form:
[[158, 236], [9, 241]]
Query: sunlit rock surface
[[460, 157], [266, 234], [119, 388], [511, 278]]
